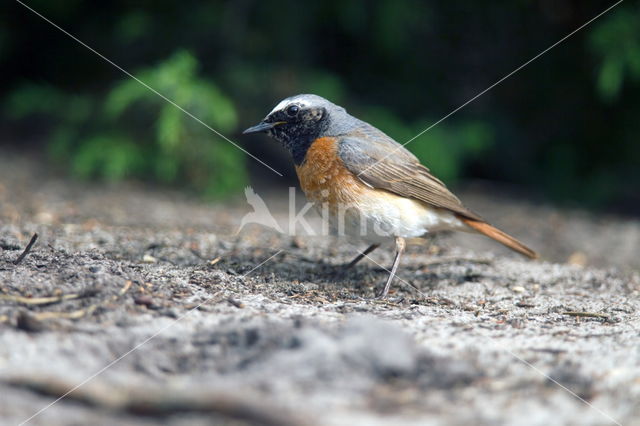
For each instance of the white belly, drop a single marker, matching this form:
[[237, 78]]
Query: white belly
[[378, 218]]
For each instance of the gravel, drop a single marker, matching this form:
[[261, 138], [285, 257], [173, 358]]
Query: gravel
[[156, 286]]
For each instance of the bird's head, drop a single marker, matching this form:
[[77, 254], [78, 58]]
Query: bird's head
[[299, 120]]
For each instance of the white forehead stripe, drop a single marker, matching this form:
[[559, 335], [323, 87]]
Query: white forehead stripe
[[286, 102]]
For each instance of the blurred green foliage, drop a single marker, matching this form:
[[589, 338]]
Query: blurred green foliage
[[565, 126], [616, 42], [133, 132]]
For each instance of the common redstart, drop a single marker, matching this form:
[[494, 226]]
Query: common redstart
[[370, 185]]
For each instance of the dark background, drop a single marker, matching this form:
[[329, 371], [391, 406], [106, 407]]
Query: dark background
[[562, 129]]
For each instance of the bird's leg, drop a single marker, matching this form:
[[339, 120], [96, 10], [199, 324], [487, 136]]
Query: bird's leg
[[359, 257], [400, 245]]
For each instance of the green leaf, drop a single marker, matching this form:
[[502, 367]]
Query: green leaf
[[610, 78], [169, 128]]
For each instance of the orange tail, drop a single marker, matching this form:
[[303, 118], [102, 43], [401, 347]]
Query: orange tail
[[499, 236]]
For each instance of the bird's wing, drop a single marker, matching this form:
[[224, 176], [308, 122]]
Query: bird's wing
[[383, 163]]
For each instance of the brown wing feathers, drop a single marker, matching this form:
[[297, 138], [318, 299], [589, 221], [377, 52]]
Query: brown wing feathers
[[383, 163]]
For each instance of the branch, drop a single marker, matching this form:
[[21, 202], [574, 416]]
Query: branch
[[26, 250]]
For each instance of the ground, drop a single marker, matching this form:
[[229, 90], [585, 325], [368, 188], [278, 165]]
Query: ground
[[148, 306]]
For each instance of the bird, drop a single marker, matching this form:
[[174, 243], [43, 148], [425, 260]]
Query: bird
[[369, 186]]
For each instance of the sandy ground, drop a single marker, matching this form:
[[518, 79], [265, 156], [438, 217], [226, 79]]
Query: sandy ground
[[149, 302]]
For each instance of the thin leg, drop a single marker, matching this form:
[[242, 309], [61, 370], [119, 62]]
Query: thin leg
[[400, 245], [359, 257]]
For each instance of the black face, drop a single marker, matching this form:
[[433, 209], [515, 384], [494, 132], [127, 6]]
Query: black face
[[295, 125], [294, 121]]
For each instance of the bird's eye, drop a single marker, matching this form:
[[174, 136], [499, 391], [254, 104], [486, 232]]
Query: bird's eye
[[293, 110]]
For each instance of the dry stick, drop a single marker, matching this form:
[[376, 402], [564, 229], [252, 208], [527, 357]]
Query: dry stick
[[446, 260], [85, 311], [236, 303], [162, 403], [26, 250], [586, 314], [66, 315], [47, 300]]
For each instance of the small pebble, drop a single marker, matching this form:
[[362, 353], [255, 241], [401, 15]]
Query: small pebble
[[143, 299], [147, 258], [578, 259]]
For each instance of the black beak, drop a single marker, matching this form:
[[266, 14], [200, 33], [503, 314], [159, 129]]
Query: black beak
[[262, 127]]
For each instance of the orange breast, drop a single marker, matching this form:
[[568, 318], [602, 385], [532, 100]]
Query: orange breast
[[323, 176], [359, 210]]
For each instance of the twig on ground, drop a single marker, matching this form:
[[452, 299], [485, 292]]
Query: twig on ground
[[586, 314], [445, 260], [66, 315], [26, 250], [552, 351], [85, 311], [236, 303], [46, 300], [159, 403]]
